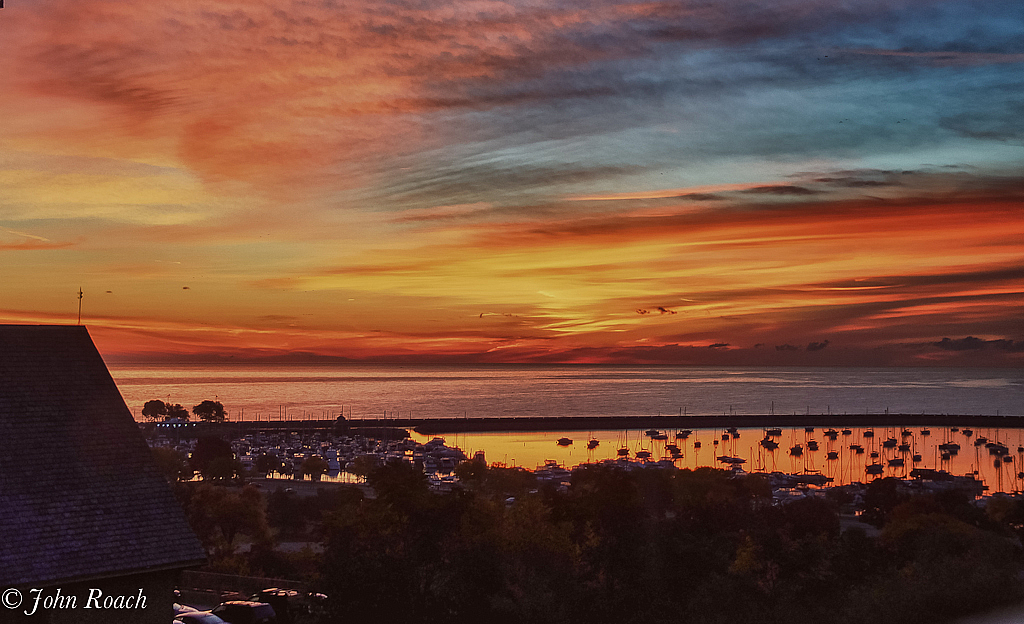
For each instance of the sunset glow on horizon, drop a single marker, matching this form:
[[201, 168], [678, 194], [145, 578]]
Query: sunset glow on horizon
[[712, 183]]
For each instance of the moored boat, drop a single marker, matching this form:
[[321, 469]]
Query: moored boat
[[725, 459]]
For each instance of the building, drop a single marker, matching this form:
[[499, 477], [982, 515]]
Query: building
[[91, 531]]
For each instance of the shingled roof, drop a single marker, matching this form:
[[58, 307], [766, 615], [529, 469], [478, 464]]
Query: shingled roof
[[80, 495]]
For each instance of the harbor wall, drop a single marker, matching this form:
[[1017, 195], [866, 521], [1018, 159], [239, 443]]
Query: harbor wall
[[436, 426]]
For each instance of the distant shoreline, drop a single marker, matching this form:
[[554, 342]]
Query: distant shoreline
[[434, 426]]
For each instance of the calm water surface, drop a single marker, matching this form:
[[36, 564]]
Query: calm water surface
[[299, 392], [533, 449]]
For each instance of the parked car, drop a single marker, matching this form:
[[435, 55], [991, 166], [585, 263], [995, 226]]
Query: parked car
[[198, 617], [180, 608], [245, 612], [291, 606], [284, 601]]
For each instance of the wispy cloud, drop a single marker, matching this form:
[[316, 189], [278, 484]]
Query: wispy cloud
[[417, 180], [946, 57]]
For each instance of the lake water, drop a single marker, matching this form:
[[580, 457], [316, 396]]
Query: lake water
[[297, 392]]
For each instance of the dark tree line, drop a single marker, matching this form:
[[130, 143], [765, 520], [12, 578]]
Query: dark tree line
[[211, 411], [652, 546], [644, 546]]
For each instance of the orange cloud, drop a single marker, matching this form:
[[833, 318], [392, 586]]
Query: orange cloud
[[13, 240], [495, 180], [270, 92], [732, 275]]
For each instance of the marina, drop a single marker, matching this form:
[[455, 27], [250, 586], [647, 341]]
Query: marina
[[994, 457], [846, 424]]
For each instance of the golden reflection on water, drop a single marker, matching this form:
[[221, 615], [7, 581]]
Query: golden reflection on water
[[530, 449]]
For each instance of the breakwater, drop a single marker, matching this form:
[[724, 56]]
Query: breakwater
[[610, 423], [436, 426]]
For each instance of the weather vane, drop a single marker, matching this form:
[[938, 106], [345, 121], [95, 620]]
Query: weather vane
[[80, 295]]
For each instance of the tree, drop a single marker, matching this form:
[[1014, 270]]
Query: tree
[[265, 464], [398, 483], [471, 471], [173, 464], [363, 465], [285, 512], [154, 409], [209, 448], [314, 467], [219, 515], [211, 411], [176, 411], [221, 470], [881, 497]]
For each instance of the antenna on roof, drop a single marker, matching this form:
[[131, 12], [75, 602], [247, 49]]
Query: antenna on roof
[[80, 295]]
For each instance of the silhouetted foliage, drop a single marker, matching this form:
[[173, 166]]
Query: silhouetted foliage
[[219, 515], [398, 483], [211, 411], [154, 409], [266, 463], [286, 513], [1008, 513], [314, 467], [881, 498], [173, 464], [471, 471], [700, 546], [938, 568], [654, 546], [363, 465], [299, 517], [176, 411], [223, 470], [498, 483], [214, 459]]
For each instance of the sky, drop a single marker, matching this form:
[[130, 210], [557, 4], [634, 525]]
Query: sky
[[714, 182]]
